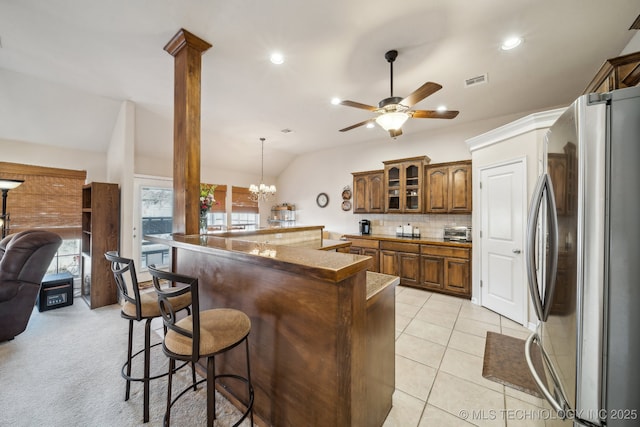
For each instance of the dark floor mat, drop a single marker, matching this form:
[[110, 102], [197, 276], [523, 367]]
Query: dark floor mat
[[505, 363]]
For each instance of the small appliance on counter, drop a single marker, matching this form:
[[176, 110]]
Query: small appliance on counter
[[365, 226], [457, 234], [407, 231]]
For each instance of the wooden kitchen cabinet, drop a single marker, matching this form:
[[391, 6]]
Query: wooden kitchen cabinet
[[367, 247], [402, 260], [368, 192], [446, 269], [403, 185], [616, 73], [448, 188], [456, 276], [432, 272]]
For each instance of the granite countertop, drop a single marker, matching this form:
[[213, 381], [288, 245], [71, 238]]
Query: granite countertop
[[261, 231], [376, 282], [323, 264], [323, 245], [424, 240]]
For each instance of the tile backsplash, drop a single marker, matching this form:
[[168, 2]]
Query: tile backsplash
[[430, 225]]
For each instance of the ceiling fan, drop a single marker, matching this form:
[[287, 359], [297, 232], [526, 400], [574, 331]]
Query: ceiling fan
[[394, 111]]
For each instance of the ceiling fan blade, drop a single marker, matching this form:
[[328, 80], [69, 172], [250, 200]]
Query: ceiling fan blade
[[395, 132], [356, 125], [358, 105], [433, 114], [429, 88]]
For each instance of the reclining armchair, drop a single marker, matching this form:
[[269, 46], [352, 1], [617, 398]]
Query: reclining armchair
[[24, 259]]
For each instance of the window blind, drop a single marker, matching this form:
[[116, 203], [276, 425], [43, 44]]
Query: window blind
[[241, 202], [220, 194], [49, 199]]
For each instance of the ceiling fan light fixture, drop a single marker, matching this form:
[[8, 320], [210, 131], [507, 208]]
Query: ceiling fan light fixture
[[276, 58], [511, 43], [392, 120]]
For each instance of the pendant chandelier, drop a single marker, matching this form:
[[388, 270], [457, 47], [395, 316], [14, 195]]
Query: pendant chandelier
[[262, 192]]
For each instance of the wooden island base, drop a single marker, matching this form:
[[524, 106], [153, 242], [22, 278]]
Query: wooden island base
[[322, 340]]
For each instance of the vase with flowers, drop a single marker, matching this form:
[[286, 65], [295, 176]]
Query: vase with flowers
[[207, 201]]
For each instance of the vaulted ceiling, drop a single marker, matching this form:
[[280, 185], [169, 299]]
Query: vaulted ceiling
[[66, 66]]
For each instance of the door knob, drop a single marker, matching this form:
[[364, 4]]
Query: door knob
[[516, 251]]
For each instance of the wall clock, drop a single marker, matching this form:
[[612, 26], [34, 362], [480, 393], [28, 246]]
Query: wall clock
[[322, 200]]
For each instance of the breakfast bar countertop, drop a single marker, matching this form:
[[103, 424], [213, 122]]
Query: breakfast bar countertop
[[322, 264], [323, 245], [376, 282]]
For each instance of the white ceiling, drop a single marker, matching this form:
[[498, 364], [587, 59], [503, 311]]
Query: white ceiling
[[66, 66]]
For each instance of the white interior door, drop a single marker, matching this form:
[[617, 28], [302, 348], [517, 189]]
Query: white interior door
[[503, 211], [153, 212]]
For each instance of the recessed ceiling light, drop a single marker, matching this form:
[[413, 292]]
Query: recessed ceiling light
[[277, 58], [370, 125], [336, 101], [442, 108], [511, 43]]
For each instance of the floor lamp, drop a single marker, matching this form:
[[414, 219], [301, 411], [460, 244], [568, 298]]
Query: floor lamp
[[5, 186]]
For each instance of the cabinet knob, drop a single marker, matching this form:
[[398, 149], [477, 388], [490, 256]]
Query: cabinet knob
[[516, 251]]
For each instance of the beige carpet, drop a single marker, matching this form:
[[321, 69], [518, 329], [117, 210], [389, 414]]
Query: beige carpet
[[505, 363], [64, 370]]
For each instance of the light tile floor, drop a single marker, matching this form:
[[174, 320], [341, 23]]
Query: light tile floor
[[439, 355]]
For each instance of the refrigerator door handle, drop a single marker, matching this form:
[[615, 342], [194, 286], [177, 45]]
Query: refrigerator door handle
[[562, 408], [532, 223], [543, 191], [552, 270]]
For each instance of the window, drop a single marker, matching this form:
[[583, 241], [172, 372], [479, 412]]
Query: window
[[67, 258], [49, 199], [244, 221], [244, 211], [156, 214]]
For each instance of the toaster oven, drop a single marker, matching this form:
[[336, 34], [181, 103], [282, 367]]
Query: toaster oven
[[457, 234]]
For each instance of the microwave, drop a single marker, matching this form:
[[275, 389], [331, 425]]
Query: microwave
[[457, 234]]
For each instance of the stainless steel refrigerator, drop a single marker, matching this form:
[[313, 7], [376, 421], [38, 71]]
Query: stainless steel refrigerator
[[583, 262]]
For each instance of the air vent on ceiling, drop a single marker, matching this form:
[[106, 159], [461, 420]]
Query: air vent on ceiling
[[636, 24], [478, 80]]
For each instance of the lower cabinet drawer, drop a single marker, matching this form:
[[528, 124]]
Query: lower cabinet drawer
[[445, 251], [365, 243], [400, 247]]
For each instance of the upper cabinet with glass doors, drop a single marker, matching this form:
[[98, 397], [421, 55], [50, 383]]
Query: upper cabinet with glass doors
[[403, 180]]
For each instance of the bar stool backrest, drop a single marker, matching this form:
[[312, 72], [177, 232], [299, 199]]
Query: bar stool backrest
[[169, 312], [124, 273]]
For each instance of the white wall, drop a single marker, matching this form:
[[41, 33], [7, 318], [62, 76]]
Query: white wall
[[633, 45], [55, 157], [120, 160], [329, 171]]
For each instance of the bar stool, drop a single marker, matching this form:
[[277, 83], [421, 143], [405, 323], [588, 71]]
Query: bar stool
[[140, 306], [203, 334]]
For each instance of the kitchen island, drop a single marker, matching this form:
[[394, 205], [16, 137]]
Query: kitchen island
[[323, 328]]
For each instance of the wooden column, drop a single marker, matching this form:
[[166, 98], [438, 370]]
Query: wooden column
[[187, 50]]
